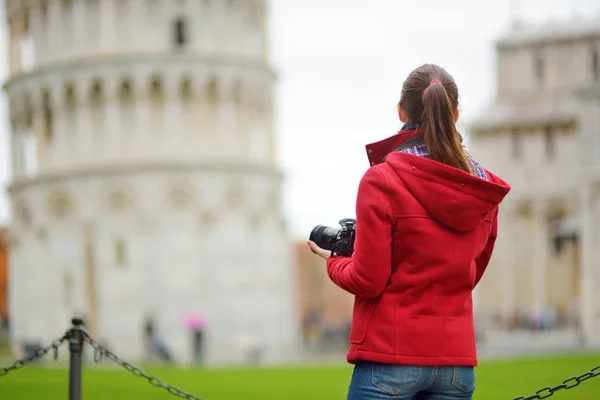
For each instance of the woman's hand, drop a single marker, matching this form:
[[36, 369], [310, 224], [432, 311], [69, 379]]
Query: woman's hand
[[324, 254]]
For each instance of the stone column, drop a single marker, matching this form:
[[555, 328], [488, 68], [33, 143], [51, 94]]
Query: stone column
[[47, 144], [510, 225], [143, 133], [21, 133], [69, 36], [265, 34], [154, 14], [594, 278], [17, 150], [14, 44], [225, 118], [270, 124], [588, 259], [172, 130], [202, 135], [218, 27], [11, 46], [138, 15], [79, 27], [84, 135], [200, 27], [157, 120], [107, 25], [54, 31], [38, 36], [243, 121], [189, 108], [128, 117], [540, 256], [123, 26], [261, 146], [43, 48], [113, 125], [72, 131], [93, 29], [236, 27], [59, 142], [38, 131]]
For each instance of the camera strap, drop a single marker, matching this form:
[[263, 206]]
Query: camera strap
[[414, 141]]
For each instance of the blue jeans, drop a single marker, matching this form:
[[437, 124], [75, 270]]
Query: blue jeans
[[374, 381]]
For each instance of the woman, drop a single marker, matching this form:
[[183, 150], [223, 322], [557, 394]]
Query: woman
[[426, 225]]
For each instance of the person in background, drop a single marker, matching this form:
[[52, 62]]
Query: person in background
[[426, 224], [154, 344], [198, 342]]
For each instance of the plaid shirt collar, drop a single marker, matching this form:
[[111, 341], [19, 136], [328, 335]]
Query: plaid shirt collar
[[378, 151]]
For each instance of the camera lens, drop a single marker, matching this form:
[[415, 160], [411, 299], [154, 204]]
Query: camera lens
[[324, 236]]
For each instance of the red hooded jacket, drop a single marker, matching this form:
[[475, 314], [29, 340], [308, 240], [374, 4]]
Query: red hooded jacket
[[425, 233]]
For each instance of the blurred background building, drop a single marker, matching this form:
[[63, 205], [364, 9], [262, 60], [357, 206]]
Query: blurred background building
[[324, 309], [144, 183], [542, 134]]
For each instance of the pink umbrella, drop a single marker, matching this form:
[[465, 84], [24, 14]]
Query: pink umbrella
[[194, 321]]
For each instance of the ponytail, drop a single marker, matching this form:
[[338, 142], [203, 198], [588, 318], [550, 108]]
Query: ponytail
[[439, 130]]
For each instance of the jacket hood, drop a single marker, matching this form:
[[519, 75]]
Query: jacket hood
[[455, 198]]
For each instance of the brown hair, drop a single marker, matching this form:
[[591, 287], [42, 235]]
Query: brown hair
[[430, 98]]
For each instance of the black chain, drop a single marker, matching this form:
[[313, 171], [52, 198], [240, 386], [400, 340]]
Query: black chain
[[39, 353], [568, 384], [100, 351]]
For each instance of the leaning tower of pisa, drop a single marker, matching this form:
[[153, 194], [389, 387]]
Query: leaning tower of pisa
[[144, 181]]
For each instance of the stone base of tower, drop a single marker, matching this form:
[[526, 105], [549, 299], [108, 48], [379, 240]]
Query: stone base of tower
[[220, 349], [122, 247]]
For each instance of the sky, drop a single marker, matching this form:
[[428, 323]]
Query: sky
[[340, 67]]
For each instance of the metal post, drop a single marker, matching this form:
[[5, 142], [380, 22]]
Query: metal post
[[76, 335]]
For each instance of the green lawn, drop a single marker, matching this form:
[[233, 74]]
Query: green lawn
[[495, 380]]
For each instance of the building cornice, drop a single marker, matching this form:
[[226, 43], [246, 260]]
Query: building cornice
[[182, 61], [494, 122], [590, 92], [530, 111], [482, 127], [541, 193], [555, 33], [146, 167]]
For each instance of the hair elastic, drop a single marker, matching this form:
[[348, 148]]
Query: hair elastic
[[434, 81]]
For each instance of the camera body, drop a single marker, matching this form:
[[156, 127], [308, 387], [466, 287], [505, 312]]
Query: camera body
[[339, 240]]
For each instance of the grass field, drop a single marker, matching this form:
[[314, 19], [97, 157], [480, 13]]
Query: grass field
[[495, 380]]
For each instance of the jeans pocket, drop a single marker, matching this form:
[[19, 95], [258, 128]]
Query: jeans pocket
[[394, 379], [463, 378]]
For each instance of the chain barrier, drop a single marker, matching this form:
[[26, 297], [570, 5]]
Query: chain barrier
[[79, 335], [568, 384], [100, 352], [35, 356]]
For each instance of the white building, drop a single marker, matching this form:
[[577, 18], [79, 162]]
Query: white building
[[542, 135], [144, 175]]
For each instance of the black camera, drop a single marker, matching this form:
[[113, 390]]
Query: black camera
[[339, 241]]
